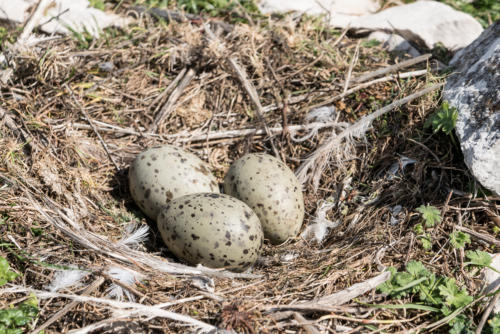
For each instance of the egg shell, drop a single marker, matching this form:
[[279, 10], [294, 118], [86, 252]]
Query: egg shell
[[271, 189], [215, 230], [163, 173]]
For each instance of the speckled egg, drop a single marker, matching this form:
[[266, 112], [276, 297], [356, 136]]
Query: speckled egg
[[163, 173], [215, 230], [271, 189]]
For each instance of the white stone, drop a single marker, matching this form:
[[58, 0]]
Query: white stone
[[394, 43], [76, 14], [339, 11], [473, 89], [423, 22], [491, 279]]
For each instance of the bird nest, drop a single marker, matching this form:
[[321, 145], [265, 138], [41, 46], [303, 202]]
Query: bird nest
[[76, 111]]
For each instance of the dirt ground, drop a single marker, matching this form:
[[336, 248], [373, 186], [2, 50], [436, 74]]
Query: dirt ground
[[77, 111]]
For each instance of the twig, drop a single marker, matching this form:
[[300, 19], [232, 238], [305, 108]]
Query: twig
[[300, 70], [86, 115], [368, 84], [478, 235], [127, 314], [185, 137], [135, 309], [351, 65], [169, 88], [249, 87], [309, 328], [328, 303], [392, 68], [91, 288], [167, 109], [316, 161], [427, 149], [487, 313], [254, 97]]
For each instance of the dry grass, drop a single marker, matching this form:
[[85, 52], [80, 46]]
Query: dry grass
[[51, 161]]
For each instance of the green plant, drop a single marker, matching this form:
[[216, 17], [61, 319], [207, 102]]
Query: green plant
[[99, 4], [443, 119], [16, 320], [430, 214], [494, 323], [483, 10], [216, 7], [459, 239], [479, 259], [438, 294], [6, 274]]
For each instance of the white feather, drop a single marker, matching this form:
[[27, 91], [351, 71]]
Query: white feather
[[134, 235], [318, 230], [125, 276], [66, 278]]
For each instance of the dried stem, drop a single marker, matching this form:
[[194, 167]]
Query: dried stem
[[392, 68], [167, 109], [316, 162]]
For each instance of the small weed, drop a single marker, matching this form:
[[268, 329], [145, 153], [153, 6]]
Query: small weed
[[430, 214], [479, 259], [494, 323], [439, 294], [84, 39], [370, 43], [444, 119], [485, 11], [13, 320], [216, 7], [459, 239], [16, 320], [6, 274], [99, 4]]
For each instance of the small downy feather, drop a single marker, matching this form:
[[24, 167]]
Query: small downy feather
[[340, 147], [134, 235], [320, 226], [125, 276], [66, 278]]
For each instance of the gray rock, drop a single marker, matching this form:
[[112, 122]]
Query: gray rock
[[395, 44], [425, 23], [473, 89]]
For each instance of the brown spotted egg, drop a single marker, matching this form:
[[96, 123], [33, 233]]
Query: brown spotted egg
[[271, 189], [163, 173], [215, 230]]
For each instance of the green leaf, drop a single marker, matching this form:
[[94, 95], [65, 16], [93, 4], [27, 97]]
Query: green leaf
[[426, 242], [461, 325], [6, 275], [494, 323], [387, 287], [459, 239], [419, 229], [453, 295], [430, 214], [478, 258], [444, 119], [417, 269]]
